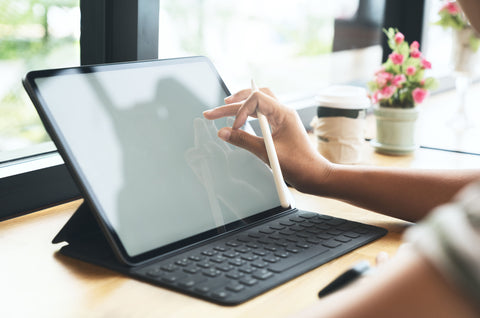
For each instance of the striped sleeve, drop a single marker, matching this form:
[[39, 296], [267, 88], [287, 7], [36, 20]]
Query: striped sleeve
[[450, 239]]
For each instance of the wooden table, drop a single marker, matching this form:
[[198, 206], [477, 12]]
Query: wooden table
[[36, 281]]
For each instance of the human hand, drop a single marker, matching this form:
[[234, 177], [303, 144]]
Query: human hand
[[296, 154]]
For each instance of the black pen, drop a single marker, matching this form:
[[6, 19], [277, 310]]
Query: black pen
[[346, 278]]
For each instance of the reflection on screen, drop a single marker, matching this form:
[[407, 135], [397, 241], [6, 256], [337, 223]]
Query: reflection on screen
[[156, 168]]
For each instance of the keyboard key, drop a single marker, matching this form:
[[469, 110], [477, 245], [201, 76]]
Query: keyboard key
[[230, 254], [190, 282], [303, 235], [296, 228], [191, 270], [361, 230], [347, 226], [267, 231], [220, 294], [237, 262], [259, 264], [204, 264], [312, 241], [352, 234], [195, 258], [292, 250], [271, 259], [244, 239], [232, 244], [336, 222], [155, 272], [277, 227], [249, 257], [224, 267], [220, 248], [296, 259], [242, 250], [249, 281], [275, 237], [182, 262], [169, 268], [325, 217], [286, 223], [331, 243], [324, 236], [287, 232], [255, 235], [218, 259], [172, 278], [343, 239], [202, 289], [235, 287], [211, 272], [307, 215], [260, 253], [292, 239], [307, 225], [262, 274], [296, 219], [209, 253], [247, 269], [282, 254], [252, 245], [235, 275], [334, 232], [281, 243], [270, 248], [302, 245]]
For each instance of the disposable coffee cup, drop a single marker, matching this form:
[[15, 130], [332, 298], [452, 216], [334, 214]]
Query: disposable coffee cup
[[340, 123]]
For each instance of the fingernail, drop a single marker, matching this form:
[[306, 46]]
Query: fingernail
[[224, 134]]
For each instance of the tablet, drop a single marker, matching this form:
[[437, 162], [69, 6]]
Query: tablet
[[150, 167]]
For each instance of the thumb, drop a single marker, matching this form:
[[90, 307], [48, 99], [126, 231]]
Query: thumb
[[244, 140]]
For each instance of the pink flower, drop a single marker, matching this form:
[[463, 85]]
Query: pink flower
[[426, 64], [399, 37], [415, 46], [398, 80], [419, 94], [415, 54], [374, 97], [411, 70], [451, 7], [387, 92], [396, 58], [422, 82], [383, 78]]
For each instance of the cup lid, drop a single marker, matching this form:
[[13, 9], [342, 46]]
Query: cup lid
[[343, 96]]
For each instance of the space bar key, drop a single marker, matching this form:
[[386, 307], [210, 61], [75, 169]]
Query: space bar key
[[297, 259]]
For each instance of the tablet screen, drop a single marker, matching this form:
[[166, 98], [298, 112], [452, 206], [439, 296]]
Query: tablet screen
[[152, 165]]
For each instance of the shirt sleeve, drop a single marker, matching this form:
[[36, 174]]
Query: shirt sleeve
[[450, 239]]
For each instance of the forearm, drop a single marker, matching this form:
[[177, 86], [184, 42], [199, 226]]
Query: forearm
[[408, 194], [408, 286]]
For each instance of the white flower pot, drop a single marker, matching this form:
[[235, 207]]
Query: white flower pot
[[395, 130]]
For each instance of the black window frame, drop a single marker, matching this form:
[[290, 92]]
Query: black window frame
[[118, 31]]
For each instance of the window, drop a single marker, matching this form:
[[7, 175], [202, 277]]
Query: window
[[33, 35], [296, 48], [286, 45]]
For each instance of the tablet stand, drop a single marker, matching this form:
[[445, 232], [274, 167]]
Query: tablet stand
[[86, 241]]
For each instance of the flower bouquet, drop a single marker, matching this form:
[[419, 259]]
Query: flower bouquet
[[400, 82]]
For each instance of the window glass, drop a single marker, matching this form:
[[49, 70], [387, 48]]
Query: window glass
[[439, 45], [286, 45], [33, 35]]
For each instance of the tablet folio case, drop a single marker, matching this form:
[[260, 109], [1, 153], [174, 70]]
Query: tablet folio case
[[87, 242]]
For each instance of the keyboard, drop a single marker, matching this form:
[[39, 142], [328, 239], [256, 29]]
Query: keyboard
[[239, 266]]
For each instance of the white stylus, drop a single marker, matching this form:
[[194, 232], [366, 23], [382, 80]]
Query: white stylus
[[272, 156]]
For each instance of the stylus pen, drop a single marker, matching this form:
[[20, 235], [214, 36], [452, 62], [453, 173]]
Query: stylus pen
[[272, 155], [346, 278]]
